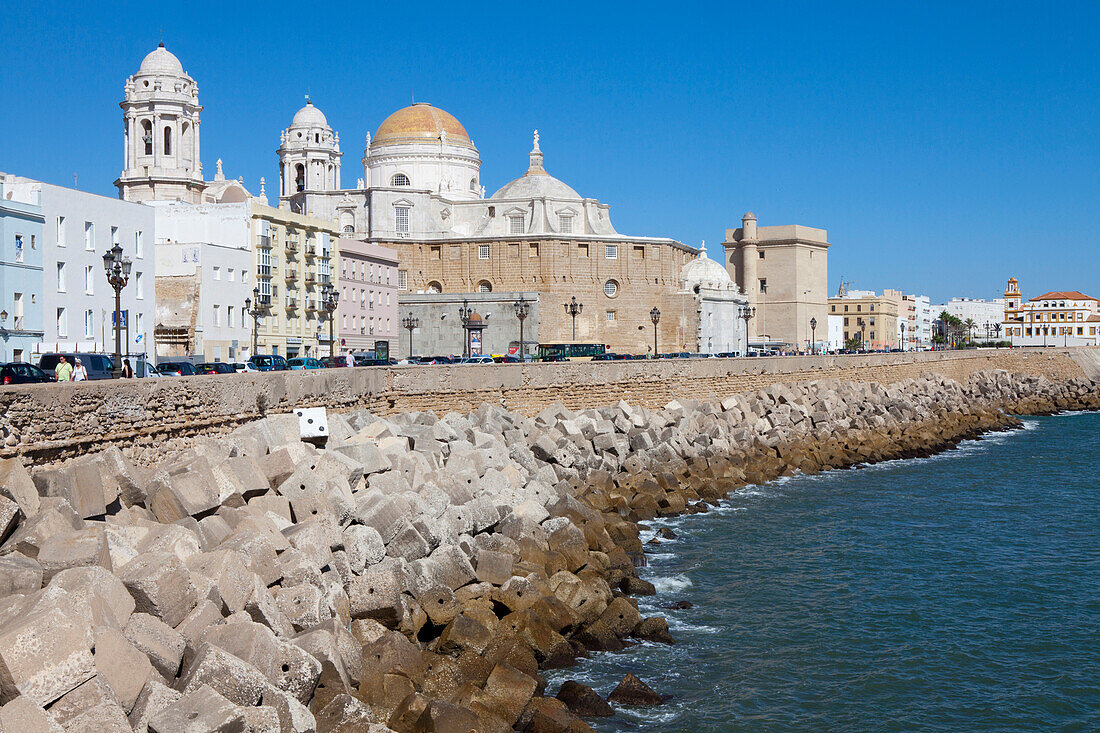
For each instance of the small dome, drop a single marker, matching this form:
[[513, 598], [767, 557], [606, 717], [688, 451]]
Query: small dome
[[420, 123], [536, 186], [161, 61], [309, 116], [706, 272]]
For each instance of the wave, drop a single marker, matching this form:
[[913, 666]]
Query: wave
[[672, 583]]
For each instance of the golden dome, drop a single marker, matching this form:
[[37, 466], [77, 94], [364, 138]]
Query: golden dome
[[419, 123]]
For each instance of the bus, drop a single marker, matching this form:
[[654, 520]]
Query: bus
[[570, 350]]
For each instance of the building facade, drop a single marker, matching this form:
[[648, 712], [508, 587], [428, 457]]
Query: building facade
[[783, 271], [438, 329], [204, 275], [368, 296], [987, 315], [1059, 318], [21, 281], [715, 306], [917, 334], [78, 304], [869, 319]]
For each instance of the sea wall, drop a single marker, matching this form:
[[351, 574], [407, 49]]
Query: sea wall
[[45, 422]]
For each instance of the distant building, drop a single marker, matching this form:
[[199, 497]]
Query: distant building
[[716, 302], [439, 331], [21, 221], [1059, 318], [986, 314], [918, 312], [368, 296], [870, 319], [783, 271]]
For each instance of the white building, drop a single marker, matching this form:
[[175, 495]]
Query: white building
[[717, 300], [1059, 318], [204, 263], [78, 303], [986, 314], [836, 333]]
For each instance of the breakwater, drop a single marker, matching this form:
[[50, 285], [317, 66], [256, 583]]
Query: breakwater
[[417, 572]]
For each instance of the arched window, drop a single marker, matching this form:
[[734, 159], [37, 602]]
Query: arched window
[[484, 287], [400, 179], [167, 140], [316, 137], [349, 229], [147, 136], [300, 177], [473, 184], [434, 287]]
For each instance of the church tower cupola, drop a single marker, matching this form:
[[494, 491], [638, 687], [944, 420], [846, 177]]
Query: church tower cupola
[[309, 154], [160, 112]]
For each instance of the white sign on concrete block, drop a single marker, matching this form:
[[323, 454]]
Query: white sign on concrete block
[[312, 422]]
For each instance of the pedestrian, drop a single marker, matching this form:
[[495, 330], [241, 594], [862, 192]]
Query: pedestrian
[[127, 370], [80, 372], [349, 360], [64, 370]]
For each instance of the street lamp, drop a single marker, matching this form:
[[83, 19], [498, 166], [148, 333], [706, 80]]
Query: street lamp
[[255, 311], [464, 313], [522, 308], [329, 301], [903, 335], [813, 335], [745, 312], [117, 268], [411, 323], [655, 316], [573, 308]]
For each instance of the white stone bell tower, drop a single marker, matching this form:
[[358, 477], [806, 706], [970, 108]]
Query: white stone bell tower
[[161, 133], [309, 154]]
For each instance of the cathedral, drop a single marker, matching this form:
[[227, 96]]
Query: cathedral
[[420, 194]]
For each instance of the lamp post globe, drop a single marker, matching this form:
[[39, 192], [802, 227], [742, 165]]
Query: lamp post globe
[[254, 307], [410, 322], [330, 301], [464, 313], [813, 335]]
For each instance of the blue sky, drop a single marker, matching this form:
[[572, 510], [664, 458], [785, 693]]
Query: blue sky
[[944, 147]]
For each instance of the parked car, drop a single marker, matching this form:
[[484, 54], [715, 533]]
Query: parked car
[[606, 356], [332, 362], [478, 359], [18, 372], [438, 360], [242, 367], [176, 368], [303, 362], [269, 362], [143, 368], [99, 366], [215, 367]]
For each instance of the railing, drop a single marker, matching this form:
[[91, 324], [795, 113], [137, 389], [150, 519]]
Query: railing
[[18, 325], [310, 277], [291, 303], [264, 241]]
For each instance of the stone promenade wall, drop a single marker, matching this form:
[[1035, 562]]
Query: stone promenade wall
[[46, 422]]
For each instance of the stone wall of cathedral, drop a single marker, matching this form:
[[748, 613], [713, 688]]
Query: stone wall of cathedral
[[617, 286]]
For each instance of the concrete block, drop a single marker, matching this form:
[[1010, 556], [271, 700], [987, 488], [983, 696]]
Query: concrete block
[[17, 485], [302, 605], [96, 592], [293, 716], [161, 586], [120, 665], [10, 514], [344, 714], [229, 573], [84, 697], [259, 548], [386, 514], [199, 711], [364, 546], [161, 644], [23, 714], [45, 654], [455, 566], [83, 548], [19, 574], [55, 517], [191, 492], [366, 455], [494, 567], [154, 697], [407, 544], [228, 675], [377, 593], [263, 609], [312, 423]]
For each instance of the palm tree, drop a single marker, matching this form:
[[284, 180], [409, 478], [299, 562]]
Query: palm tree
[[969, 325]]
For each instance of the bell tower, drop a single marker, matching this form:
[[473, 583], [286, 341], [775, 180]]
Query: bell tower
[[160, 112]]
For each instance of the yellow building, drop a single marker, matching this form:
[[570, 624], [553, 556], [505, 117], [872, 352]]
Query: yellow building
[[870, 319], [294, 256], [1059, 318]]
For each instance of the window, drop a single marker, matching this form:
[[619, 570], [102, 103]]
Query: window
[[217, 315], [761, 254], [217, 273], [402, 280], [229, 316], [18, 247], [582, 250], [434, 287], [139, 245], [402, 216], [763, 285], [436, 252], [61, 277], [60, 231], [140, 323], [473, 185], [89, 323], [484, 287], [62, 323], [147, 136], [565, 223], [515, 225], [89, 236], [349, 229], [371, 301], [139, 286], [611, 315], [114, 236], [611, 251], [533, 251], [611, 288], [89, 280], [167, 140], [483, 251], [639, 252], [400, 179]]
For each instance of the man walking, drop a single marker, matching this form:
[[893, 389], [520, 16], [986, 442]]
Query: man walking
[[64, 370], [349, 360]]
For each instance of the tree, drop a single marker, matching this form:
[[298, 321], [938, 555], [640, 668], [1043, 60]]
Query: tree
[[969, 324], [853, 344]]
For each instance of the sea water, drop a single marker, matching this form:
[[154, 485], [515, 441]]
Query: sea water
[[954, 593]]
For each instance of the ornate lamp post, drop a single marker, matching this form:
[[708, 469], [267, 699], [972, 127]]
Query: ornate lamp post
[[655, 316], [329, 301], [255, 311], [522, 308], [745, 313], [464, 313], [573, 308], [813, 335], [903, 336], [410, 322], [118, 274]]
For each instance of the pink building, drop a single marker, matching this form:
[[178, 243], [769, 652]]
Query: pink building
[[368, 296]]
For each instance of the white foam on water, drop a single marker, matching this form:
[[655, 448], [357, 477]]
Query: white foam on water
[[671, 583], [660, 556]]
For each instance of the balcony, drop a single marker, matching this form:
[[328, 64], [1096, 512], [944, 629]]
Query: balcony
[[311, 305], [291, 303], [263, 241], [292, 246], [311, 277], [290, 275]]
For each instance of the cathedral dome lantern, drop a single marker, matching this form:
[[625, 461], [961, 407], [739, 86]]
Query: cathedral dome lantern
[[309, 154], [161, 61], [424, 148], [536, 182]]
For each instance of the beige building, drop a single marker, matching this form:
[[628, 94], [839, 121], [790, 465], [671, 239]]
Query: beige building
[[868, 318], [294, 256], [1060, 318], [784, 272]]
